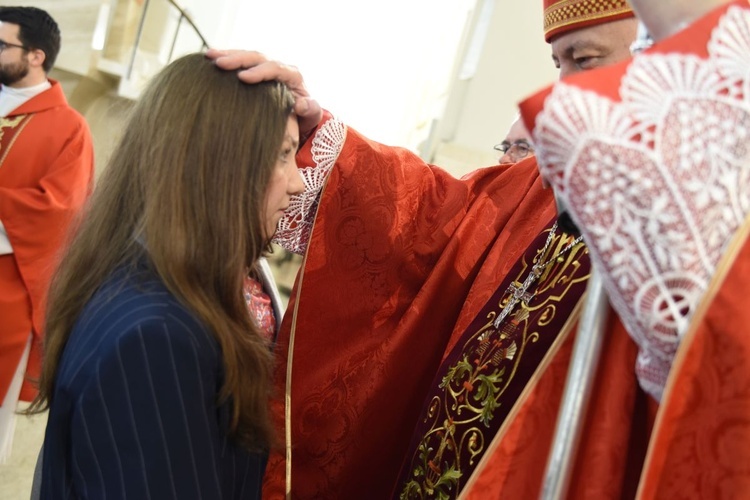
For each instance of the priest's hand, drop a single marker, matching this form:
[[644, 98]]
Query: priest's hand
[[254, 67]]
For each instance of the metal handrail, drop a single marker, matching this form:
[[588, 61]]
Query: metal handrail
[[183, 16]]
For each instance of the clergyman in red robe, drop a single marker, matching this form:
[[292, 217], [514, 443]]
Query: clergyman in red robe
[[46, 171]]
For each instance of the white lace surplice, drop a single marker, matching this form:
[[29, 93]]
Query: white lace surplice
[[658, 182]]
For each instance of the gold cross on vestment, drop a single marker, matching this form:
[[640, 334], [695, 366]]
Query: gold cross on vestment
[[518, 293]]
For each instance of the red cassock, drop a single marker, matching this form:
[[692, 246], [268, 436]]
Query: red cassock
[[652, 156], [46, 173]]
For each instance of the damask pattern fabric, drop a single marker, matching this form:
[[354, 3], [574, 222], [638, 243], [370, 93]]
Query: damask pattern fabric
[[369, 320]]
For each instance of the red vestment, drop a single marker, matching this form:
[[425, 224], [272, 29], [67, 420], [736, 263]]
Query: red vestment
[[401, 258], [696, 444], [46, 172]]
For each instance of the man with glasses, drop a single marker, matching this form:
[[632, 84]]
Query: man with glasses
[[46, 170], [516, 146]]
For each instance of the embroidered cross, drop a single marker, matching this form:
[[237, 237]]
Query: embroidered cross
[[518, 293]]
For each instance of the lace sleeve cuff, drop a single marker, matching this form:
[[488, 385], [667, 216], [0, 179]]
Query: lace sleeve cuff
[[315, 162]]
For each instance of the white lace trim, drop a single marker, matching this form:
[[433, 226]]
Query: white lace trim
[[658, 183], [293, 230]]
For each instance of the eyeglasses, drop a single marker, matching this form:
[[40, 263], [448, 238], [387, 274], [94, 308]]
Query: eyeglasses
[[517, 151], [4, 45]]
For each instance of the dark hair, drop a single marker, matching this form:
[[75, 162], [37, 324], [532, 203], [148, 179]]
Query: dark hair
[[189, 179], [36, 30]]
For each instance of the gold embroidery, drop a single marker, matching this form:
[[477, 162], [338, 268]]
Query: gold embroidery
[[520, 292], [472, 389], [567, 12], [11, 123]]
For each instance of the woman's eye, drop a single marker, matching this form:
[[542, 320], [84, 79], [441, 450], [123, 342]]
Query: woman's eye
[[285, 153]]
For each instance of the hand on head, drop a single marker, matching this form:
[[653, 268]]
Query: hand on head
[[254, 67]]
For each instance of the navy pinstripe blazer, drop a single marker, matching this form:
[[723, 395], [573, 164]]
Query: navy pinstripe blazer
[[134, 412]]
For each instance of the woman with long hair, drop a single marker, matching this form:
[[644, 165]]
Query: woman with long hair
[[155, 375]]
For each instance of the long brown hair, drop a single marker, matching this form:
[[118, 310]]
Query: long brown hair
[[188, 180]]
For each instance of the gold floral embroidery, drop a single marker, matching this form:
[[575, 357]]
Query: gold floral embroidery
[[473, 387]]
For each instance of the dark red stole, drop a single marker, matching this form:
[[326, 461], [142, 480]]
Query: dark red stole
[[483, 376]]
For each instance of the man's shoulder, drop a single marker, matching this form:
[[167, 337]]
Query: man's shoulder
[[60, 128], [63, 115], [52, 104]]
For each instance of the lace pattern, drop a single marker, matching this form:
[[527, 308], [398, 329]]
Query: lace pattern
[[293, 230], [658, 182]]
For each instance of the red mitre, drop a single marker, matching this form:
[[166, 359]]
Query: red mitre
[[561, 16]]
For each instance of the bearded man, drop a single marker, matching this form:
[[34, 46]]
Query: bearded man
[[46, 171]]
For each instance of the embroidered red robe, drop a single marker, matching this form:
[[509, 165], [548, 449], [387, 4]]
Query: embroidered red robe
[[46, 172], [401, 259]]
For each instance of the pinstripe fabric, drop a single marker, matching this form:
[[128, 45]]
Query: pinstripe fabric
[[134, 413]]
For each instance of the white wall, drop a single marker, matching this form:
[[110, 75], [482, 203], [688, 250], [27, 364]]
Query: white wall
[[515, 62], [379, 66], [390, 68]]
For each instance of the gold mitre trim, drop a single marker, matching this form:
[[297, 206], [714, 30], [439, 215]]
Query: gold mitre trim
[[568, 15]]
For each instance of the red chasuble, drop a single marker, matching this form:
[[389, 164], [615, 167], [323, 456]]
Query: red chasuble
[[401, 259], [651, 156], [46, 171]]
